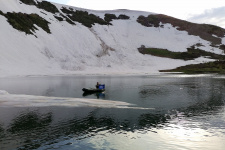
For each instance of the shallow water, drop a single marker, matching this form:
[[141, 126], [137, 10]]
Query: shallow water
[[189, 113]]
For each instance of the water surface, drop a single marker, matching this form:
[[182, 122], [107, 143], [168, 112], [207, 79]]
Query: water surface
[[188, 113]]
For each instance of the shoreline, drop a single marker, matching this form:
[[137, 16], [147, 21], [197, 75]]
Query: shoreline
[[87, 74], [168, 74]]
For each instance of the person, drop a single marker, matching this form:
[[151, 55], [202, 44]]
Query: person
[[97, 85]]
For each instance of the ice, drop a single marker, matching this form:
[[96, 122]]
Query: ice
[[2, 92], [13, 100]]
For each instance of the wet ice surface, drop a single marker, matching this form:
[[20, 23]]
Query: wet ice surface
[[8, 100], [12, 100]]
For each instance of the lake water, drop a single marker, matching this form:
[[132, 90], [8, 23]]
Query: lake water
[[172, 112]]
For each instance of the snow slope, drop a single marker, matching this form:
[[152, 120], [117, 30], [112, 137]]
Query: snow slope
[[76, 49]]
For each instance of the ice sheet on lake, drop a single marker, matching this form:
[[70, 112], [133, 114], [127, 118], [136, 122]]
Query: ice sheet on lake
[[12, 100]]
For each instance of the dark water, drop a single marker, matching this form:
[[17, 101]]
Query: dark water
[[189, 113]]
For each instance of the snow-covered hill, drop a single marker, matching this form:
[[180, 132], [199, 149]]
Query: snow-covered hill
[[42, 38]]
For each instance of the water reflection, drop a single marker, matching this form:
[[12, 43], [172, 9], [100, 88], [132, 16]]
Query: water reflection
[[1, 128], [36, 129], [61, 127], [98, 95], [189, 113], [28, 122], [153, 90], [210, 106], [1, 131], [153, 120]]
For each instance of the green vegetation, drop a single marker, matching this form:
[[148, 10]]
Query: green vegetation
[[210, 67], [59, 18], [84, 18], [150, 21], [79, 16], [43, 5], [222, 46], [89, 20], [204, 31], [1, 13], [160, 53], [28, 2], [110, 17], [69, 21], [192, 53], [25, 22], [47, 6], [189, 55], [67, 11], [62, 18], [123, 17]]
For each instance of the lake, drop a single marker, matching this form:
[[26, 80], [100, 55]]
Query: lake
[[169, 111]]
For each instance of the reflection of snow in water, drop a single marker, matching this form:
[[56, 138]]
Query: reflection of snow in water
[[3, 92], [11, 100]]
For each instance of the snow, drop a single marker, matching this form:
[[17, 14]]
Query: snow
[[2, 92], [76, 49], [223, 40], [13, 100]]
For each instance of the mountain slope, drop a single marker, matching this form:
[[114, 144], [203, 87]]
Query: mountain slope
[[42, 38]]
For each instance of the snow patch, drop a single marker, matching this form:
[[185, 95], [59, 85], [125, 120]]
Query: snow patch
[[2, 92], [76, 49], [11, 100], [223, 40]]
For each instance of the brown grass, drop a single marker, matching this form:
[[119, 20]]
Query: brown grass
[[204, 31]]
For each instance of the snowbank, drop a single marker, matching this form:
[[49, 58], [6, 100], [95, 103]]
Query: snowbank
[[76, 49]]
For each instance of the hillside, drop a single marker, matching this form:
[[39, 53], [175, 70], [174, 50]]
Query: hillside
[[42, 38]]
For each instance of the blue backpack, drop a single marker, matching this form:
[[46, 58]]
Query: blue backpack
[[101, 86]]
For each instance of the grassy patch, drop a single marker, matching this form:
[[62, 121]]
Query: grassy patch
[[25, 22], [62, 18], [69, 21], [43, 5], [110, 17], [47, 6], [150, 21], [210, 67], [189, 55], [67, 11], [204, 31], [222, 46], [28, 2], [1, 13], [83, 17], [169, 54], [123, 17], [89, 20], [59, 18]]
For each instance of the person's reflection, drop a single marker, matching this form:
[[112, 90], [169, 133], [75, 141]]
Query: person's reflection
[[98, 94]]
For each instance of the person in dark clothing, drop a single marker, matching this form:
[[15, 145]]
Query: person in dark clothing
[[97, 85]]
